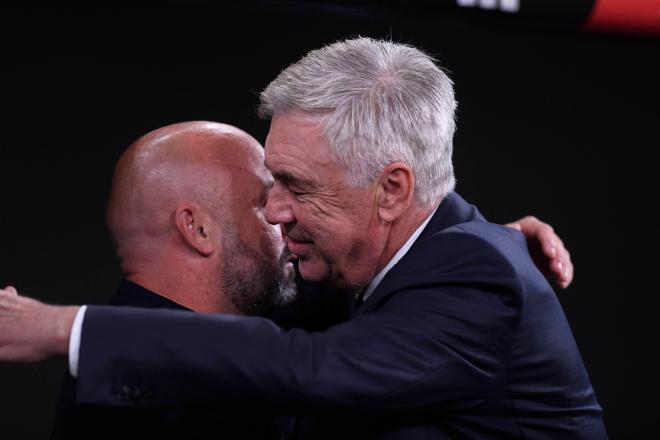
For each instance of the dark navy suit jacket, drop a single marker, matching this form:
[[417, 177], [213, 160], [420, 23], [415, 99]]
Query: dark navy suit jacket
[[464, 338], [73, 421]]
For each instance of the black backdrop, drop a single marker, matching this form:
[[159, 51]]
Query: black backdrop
[[558, 124]]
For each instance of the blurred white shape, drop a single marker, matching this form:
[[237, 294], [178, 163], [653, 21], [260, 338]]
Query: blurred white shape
[[510, 5], [466, 2]]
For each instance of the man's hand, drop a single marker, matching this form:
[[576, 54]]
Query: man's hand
[[31, 330], [547, 249]]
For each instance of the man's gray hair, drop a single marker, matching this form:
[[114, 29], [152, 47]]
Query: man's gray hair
[[381, 102]]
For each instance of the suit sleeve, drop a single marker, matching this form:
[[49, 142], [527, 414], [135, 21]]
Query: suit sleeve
[[434, 344]]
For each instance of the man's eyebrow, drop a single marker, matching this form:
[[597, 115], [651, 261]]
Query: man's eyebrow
[[287, 177]]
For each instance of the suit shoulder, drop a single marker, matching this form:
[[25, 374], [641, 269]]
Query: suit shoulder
[[506, 242], [475, 244]]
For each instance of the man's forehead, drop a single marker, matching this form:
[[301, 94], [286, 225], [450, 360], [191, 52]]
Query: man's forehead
[[286, 171], [289, 155]]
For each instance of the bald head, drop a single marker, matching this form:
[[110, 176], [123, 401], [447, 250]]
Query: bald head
[[189, 162], [185, 216]]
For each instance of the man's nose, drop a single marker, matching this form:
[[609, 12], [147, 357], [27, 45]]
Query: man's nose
[[278, 208]]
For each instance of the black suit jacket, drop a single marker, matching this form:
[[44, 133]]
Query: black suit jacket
[[464, 338], [73, 421]]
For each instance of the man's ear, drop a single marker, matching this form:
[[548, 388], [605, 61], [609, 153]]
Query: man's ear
[[396, 184], [196, 229]]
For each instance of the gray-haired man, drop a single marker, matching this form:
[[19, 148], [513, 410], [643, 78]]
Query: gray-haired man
[[457, 334]]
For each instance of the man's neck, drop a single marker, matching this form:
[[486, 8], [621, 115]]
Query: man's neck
[[401, 231], [398, 255]]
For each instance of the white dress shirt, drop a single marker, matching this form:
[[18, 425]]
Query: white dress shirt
[[74, 341]]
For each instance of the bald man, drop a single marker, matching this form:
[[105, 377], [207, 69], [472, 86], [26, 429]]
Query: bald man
[[186, 217]]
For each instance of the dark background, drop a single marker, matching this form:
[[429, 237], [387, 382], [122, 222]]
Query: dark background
[[551, 122]]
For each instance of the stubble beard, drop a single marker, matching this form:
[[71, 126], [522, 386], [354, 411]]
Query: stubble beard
[[252, 283]]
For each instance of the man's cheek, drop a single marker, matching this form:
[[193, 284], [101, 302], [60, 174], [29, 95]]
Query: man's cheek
[[271, 244]]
